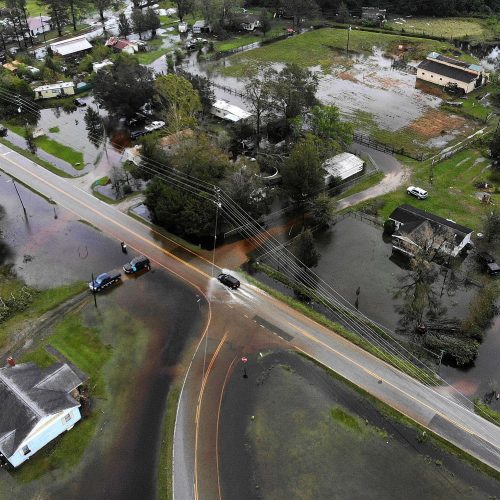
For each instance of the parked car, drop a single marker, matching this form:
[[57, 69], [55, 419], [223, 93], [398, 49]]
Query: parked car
[[137, 264], [419, 193], [79, 102], [489, 264], [135, 134], [3, 131], [104, 280], [228, 280], [154, 126]]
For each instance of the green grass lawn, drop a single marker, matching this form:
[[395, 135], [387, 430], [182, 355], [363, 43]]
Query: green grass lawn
[[447, 27], [32, 6], [451, 193], [54, 148], [363, 184], [322, 47]]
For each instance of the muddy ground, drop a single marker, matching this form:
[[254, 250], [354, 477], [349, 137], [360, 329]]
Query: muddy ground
[[279, 439]]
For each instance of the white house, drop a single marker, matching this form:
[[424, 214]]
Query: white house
[[59, 89], [250, 22], [71, 46], [124, 45], [415, 228], [39, 25], [229, 112], [201, 26], [343, 166], [37, 405], [442, 70]]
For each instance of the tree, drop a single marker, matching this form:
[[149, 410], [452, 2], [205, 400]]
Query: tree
[[184, 7], [300, 9], [322, 209], [292, 90], [302, 172], [326, 124], [74, 7], [16, 10], [30, 140], [138, 22], [343, 14], [258, 96], [305, 250], [495, 147], [124, 87], [152, 21], [265, 21], [57, 10], [13, 107], [205, 90], [124, 26], [178, 100], [492, 227], [101, 6], [94, 126]]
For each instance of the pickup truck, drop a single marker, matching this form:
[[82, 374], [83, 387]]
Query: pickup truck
[[104, 280]]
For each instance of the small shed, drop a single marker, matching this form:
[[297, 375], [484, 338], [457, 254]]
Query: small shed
[[343, 166], [71, 46], [59, 89]]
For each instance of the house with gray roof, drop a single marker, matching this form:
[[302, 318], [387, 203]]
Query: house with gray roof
[[37, 405], [445, 71]]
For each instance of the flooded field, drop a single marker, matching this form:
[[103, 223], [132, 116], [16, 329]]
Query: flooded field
[[291, 431]]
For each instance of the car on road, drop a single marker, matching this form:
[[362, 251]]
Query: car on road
[[419, 193], [489, 264], [154, 126], [104, 280], [135, 134], [3, 131], [79, 102], [137, 264], [228, 280]]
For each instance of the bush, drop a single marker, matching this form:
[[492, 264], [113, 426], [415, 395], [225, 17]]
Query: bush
[[127, 189]]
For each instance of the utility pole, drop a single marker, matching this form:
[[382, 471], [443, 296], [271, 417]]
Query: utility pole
[[348, 33], [43, 28], [217, 205], [19, 196], [93, 291]]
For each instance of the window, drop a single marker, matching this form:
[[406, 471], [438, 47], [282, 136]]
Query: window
[[26, 450], [68, 416]]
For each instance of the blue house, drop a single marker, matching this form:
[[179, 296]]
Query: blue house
[[37, 405]]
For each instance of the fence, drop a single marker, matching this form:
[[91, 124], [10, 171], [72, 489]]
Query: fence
[[385, 148], [401, 65]]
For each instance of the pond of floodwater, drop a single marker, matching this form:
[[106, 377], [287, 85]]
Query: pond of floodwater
[[370, 85], [354, 254]]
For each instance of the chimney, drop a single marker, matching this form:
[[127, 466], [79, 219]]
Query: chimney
[[11, 361]]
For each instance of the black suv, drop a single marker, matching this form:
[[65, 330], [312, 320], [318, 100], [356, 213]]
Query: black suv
[[103, 281], [3, 131], [489, 264], [229, 281], [137, 264]]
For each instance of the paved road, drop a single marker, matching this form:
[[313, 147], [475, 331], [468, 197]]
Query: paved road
[[233, 320]]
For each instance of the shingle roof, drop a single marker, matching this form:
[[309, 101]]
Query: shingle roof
[[412, 217], [27, 395], [448, 71]]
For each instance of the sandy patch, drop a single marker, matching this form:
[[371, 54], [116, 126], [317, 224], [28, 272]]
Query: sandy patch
[[433, 122], [347, 75]]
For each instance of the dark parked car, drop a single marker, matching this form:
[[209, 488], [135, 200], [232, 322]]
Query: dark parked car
[[229, 281], [489, 264], [3, 131], [137, 264], [79, 102], [104, 280], [135, 134]]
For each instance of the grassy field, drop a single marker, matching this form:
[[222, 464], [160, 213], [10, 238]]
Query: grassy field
[[32, 6], [451, 192], [447, 27], [322, 47]]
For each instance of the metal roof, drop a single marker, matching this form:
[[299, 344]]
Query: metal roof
[[447, 71], [55, 86], [230, 111], [343, 165], [71, 45]]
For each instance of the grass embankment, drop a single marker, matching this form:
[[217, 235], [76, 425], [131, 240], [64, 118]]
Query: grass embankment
[[34, 7], [447, 27], [423, 432], [155, 50], [486, 412], [66, 153], [167, 443], [405, 366], [34, 158], [323, 48], [450, 184]]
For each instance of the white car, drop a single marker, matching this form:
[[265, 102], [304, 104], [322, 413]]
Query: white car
[[419, 193], [154, 126]]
